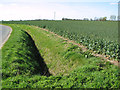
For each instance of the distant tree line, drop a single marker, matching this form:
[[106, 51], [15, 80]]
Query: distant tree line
[[86, 19], [112, 18]]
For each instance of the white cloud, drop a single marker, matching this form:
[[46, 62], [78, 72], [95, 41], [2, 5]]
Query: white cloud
[[17, 11], [13, 4], [1, 5], [114, 3], [58, 1]]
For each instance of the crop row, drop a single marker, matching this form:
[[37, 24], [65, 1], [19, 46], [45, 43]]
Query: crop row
[[97, 36]]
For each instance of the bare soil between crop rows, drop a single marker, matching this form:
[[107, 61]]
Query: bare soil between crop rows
[[84, 49]]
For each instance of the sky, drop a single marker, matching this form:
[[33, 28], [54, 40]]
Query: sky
[[44, 9]]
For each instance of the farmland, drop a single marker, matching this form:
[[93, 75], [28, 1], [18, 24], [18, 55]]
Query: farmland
[[99, 36], [34, 58]]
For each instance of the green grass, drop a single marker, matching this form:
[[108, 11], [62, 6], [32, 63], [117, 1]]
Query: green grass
[[99, 36], [53, 49], [42, 51], [18, 57]]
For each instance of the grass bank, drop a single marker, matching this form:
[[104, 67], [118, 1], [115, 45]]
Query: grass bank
[[18, 57]]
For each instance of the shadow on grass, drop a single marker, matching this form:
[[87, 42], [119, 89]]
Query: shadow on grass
[[42, 67]]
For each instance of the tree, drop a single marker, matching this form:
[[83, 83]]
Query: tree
[[104, 18], [86, 19], [96, 19], [91, 19], [101, 19], [113, 17]]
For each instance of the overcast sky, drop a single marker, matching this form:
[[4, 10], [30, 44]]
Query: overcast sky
[[44, 9]]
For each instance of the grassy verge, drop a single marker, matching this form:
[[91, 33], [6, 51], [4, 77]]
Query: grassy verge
[[30, 51], [18, 57], [61, 57]]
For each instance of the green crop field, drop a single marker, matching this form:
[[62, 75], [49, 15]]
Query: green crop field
[[34, 58], [107, 30], [99, 36]]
